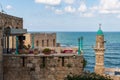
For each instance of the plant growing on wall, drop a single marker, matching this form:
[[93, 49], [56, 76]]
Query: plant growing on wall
[[84, 62], [47, 51], [42, 65], [87, 76], [69, 65]]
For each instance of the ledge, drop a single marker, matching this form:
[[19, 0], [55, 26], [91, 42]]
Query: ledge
[[41, 55]]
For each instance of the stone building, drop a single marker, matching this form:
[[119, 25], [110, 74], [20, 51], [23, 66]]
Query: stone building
[[99, 52], [38, 40], [8, 24]]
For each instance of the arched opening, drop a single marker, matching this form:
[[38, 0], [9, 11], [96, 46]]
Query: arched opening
[[42, 43], [47, 43], [54, 42], [16, 27], [7, 44], [37, 43]]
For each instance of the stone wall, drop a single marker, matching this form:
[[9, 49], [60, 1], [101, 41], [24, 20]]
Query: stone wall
[[1, 58], [10, 21], [41, 67]]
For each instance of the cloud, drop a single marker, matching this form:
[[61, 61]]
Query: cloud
[[69, 9], [49, 2], [110, 4], [107, 7], [87, 15], [49, 7], [72, 6], [58, 11], [9, 7], [82, 7], [69, 1]]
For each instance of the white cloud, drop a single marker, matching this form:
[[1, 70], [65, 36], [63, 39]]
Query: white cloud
[[49, 7], [110, 4], [71, 6], [93, 8], [82, 7], [107, 7], [9, 7], [88, 15], [69, 9], [69, 1], [58, 11], [49, 2]]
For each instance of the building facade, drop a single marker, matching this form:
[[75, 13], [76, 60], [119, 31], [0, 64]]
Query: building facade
[[38, 40]]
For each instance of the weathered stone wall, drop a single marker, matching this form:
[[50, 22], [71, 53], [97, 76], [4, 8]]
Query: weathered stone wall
[[41, 67], [10, 21], [1, 58]]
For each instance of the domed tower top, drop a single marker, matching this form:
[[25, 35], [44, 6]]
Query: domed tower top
[[100, 32]]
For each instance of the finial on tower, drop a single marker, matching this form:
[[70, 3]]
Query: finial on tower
[[99, 32], [100, 26]]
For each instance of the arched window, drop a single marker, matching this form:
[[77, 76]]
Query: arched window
[[54, 42], [42, 43], [37, 43], [47, 43]]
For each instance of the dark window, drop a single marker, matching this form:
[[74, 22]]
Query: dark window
[[37, 43], [42, 43], [47, 43], [43, 62], [63, 61], [16, 27], [54, 42]]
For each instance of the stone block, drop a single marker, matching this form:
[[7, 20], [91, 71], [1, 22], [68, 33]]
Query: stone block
[[30, 65], [34, 61], [37, 69]]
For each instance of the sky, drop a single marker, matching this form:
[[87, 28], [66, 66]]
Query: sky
[[65, 15]]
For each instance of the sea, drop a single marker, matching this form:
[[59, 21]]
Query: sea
[[112, 47]]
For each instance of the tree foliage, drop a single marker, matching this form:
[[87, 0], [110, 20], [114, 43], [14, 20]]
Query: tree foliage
[[87, 76]]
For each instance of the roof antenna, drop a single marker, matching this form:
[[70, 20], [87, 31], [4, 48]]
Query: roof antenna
[[2, 8]]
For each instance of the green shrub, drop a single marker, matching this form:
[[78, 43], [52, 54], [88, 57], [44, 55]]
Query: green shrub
[[69, 65], [84, 63], [87, 76], [46, 50]]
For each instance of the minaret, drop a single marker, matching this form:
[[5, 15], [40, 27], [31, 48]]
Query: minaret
[[99, 52]]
